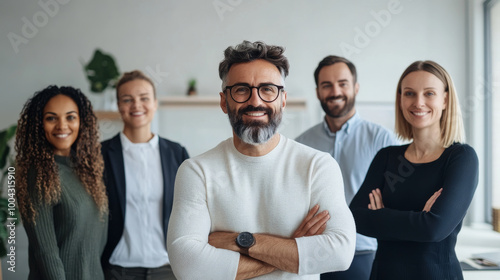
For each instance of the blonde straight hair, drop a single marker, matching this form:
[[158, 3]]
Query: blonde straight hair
[[452, 128]]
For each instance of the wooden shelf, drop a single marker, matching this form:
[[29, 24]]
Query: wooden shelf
[[107, 115], [214, 101], [195, 101]]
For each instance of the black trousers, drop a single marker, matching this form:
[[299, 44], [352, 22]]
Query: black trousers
[[115, 272], [360, 268]]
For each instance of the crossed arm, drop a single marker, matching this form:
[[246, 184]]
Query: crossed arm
[[377, 203], [442, 211], [271, 252]]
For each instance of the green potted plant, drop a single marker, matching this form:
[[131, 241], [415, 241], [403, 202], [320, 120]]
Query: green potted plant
[[102, 73], [191, 87]]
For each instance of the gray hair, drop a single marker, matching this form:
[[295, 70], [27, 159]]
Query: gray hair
[[248, 51]]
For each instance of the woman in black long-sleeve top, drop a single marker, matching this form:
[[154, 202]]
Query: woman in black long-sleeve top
[[415, 196]]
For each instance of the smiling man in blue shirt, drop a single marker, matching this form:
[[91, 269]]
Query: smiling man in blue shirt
[[352, 141]]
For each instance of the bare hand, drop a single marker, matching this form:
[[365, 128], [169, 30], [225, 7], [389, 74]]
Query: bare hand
[[313, 224], [432, 199], [224, 240], [376, 200]]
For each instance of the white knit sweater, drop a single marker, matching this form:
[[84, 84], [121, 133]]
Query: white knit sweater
[[224, 190]]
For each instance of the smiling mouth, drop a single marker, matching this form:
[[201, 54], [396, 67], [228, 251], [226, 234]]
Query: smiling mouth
[[255, 114], [337, 99], [137, 113], [420, 114], [62, 136]]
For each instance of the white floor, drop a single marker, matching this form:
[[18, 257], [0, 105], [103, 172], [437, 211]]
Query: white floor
[[475, 240]]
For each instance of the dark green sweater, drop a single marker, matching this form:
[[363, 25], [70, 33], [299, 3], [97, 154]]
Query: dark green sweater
[[67, 239]]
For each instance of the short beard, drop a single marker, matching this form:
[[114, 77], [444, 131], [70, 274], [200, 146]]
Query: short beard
[[338, 113], [255, 132]]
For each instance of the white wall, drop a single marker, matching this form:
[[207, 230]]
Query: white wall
[[182, 39], [495, 25], [179, 40], [46, 41]]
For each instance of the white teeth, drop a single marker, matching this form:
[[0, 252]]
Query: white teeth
[[420, 113], [137, 113], [255, 114], [61, 135]]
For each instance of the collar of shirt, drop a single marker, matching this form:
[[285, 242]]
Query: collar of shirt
[[346, 127], [127, 144]]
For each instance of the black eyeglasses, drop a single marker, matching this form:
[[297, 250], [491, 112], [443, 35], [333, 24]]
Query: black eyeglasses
[[241, 93]]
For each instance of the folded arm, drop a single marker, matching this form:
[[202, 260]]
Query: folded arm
[[441, 214], [271, 252]]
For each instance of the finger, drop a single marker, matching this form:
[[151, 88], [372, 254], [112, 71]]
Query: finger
[[314, 228], [372, 202], [430, 202], [310, 214], [427, 206], [313, 224], [321, 229], [378, 199], [380, 196], [435, 196]]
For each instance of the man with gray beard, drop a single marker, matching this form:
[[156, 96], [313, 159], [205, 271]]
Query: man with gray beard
[[258, 205]]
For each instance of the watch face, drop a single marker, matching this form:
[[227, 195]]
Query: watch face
[[245, 239]]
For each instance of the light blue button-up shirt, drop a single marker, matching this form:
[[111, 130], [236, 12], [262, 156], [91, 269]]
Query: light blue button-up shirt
[[354, 146]]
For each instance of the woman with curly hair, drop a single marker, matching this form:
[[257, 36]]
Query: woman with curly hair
[[60, 190]]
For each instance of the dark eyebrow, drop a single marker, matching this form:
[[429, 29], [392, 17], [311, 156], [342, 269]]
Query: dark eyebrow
[[52, 113], [261, 84]]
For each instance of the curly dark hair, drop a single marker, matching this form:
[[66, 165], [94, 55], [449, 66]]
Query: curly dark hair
[[248, 51], [35, 155]]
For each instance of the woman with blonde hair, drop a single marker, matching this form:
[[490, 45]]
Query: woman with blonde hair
[[140, 171], [60, 190], [415, 196]]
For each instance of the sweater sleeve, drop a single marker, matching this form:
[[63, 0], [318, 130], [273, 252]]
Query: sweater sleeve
[[460, 181], [334, 249], [43, 245], [190, 254]]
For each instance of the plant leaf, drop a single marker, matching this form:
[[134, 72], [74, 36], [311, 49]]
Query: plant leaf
[[101, 71], [5, 136]]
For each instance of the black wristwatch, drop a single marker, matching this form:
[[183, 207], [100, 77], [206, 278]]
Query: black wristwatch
[[245, 240]]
